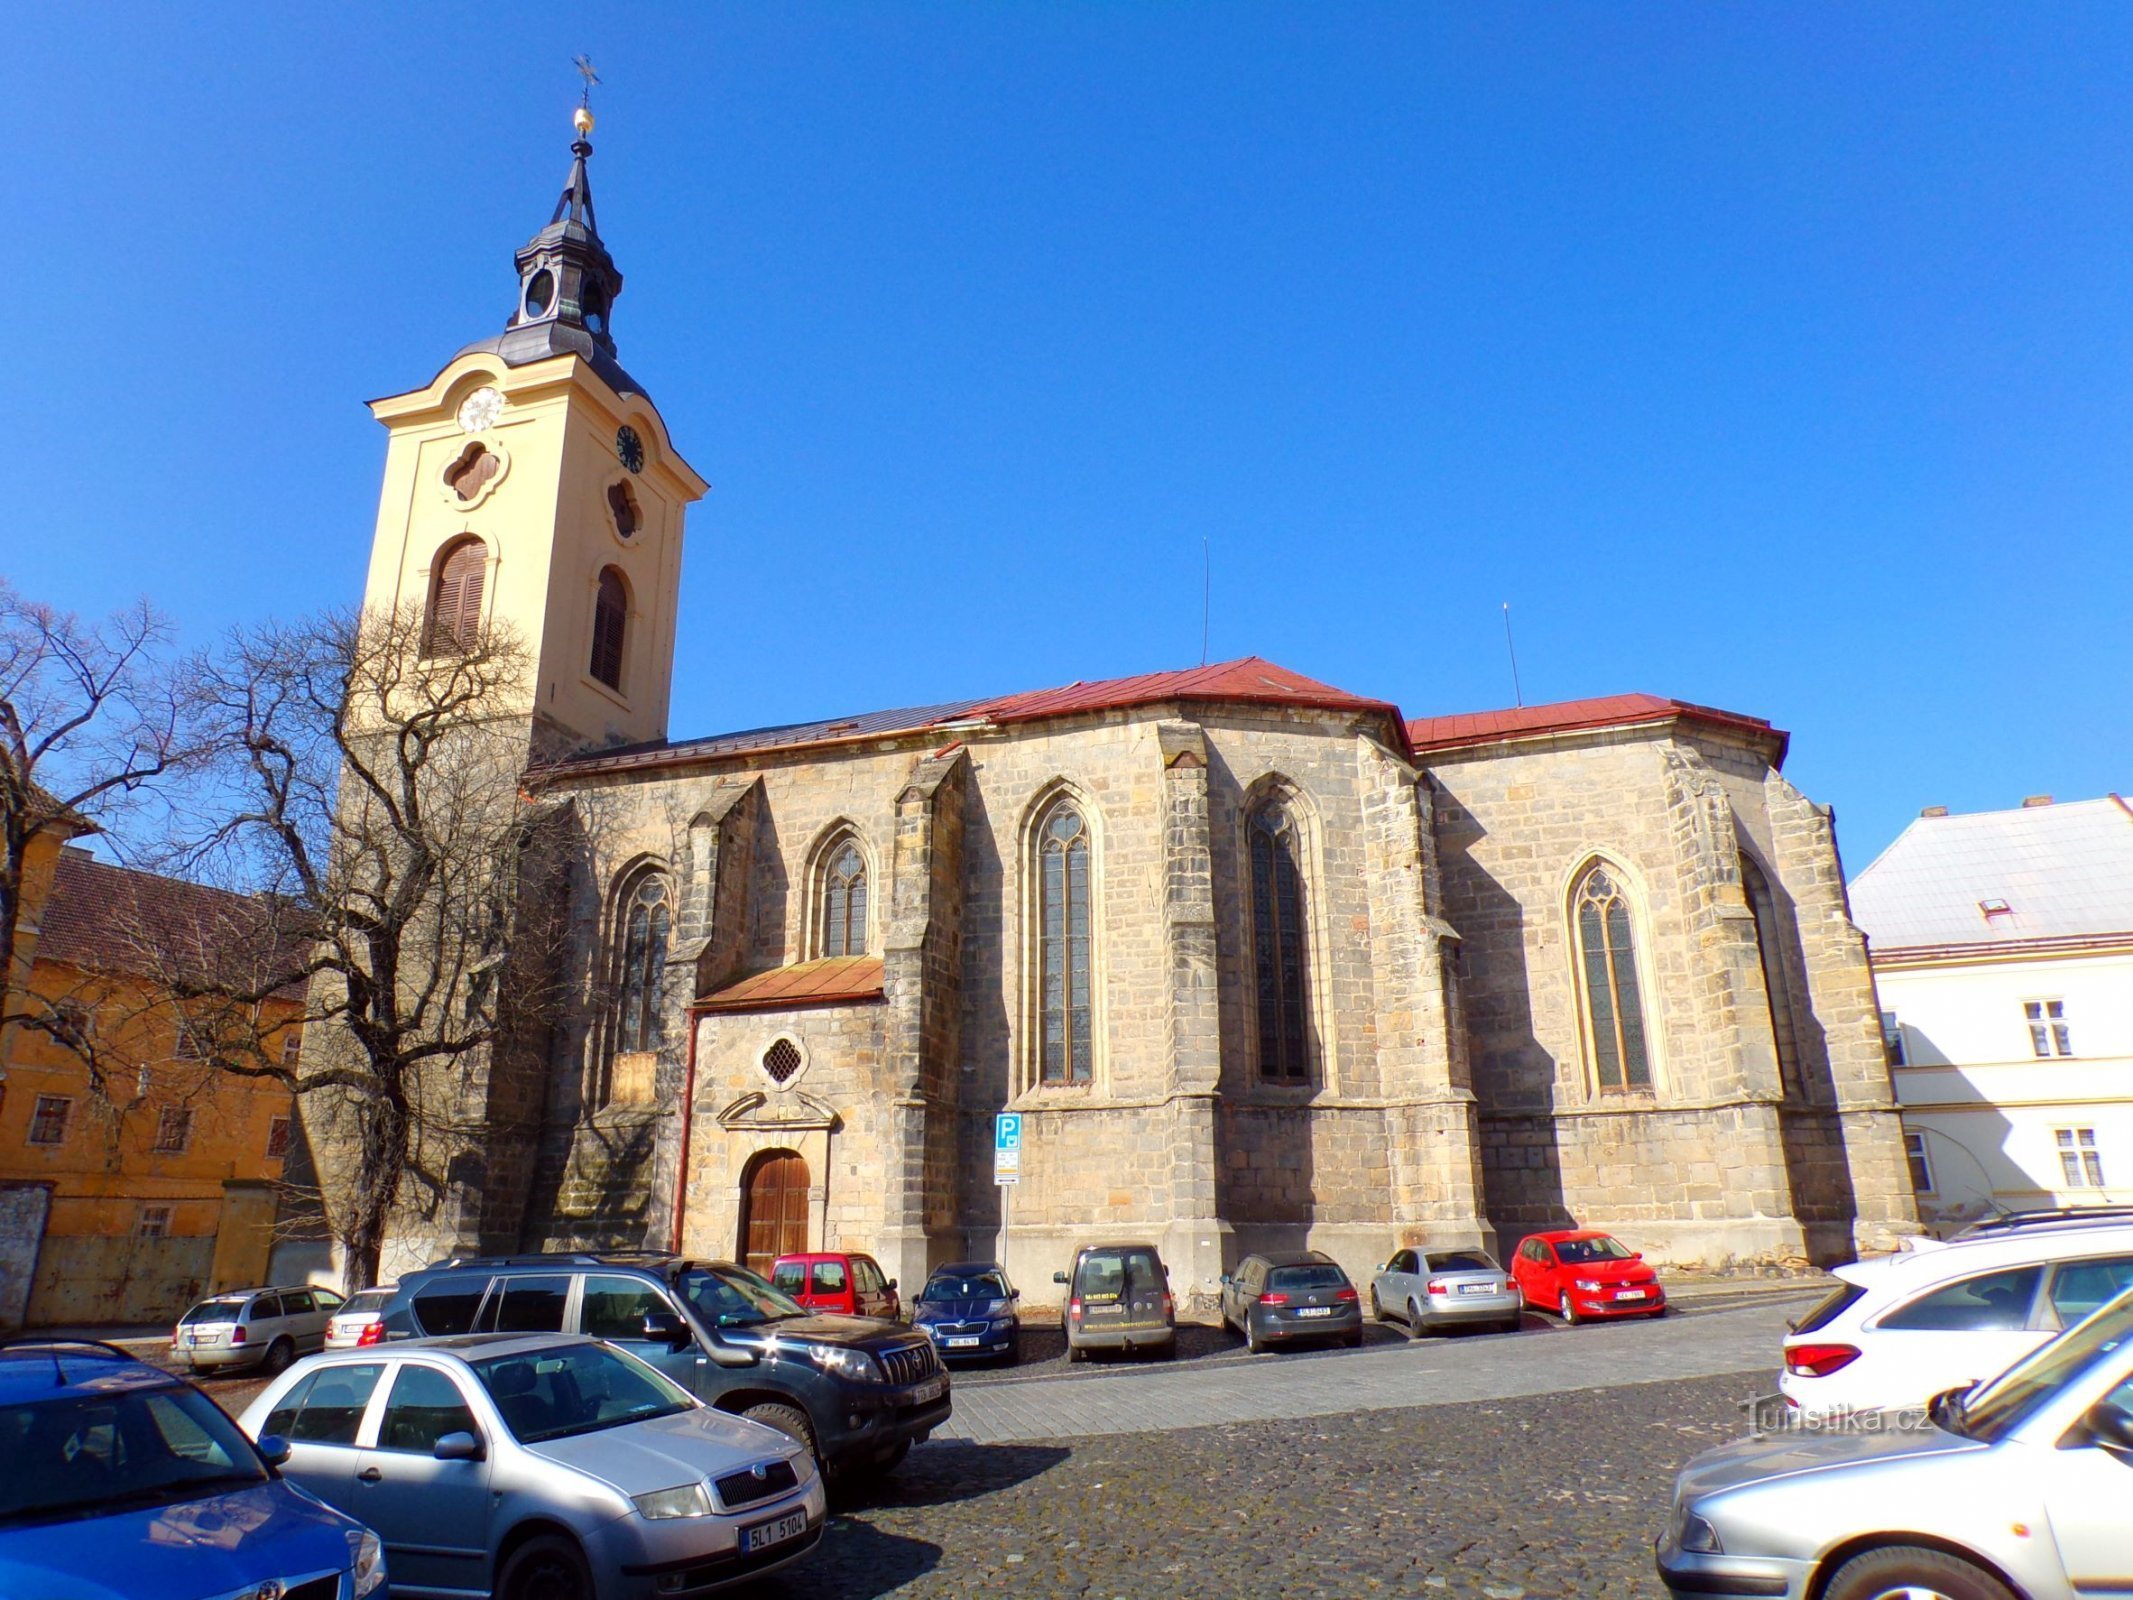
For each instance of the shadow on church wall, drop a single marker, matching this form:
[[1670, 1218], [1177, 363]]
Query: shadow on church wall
[[982, 1080]]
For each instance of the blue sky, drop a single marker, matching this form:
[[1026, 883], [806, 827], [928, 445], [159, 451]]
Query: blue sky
[[1774, 357]]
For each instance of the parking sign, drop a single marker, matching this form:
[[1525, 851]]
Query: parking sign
[[1007, 1147]]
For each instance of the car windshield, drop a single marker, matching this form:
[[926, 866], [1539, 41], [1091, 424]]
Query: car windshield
[[1578, 1252], [733, 1297], [1460, 1261], [976, 1286], [583, 1388], [1292, 1279], [214, 1311], [1995, 1409], [87, 1456]]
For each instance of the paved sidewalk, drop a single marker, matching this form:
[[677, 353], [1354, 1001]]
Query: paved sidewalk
[[1541, 1360]]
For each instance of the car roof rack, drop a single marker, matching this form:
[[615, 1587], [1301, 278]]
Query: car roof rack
[[554, 1258], [16, 1341], [2046, 1217]]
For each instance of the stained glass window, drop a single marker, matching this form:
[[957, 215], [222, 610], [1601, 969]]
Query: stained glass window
[[1607, 953], [1063, 948], [844, 902], [640, 1024], [1278, 947]]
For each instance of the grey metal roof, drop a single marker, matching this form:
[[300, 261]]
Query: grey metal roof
[[782, 736], [2064, 872]]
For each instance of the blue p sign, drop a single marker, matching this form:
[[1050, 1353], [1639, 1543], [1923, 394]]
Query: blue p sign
[[1007, 1131]]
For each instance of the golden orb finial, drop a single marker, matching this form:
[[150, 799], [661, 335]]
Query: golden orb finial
[[582, 120]]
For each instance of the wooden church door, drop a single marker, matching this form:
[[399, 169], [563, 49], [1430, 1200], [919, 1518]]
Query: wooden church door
[[773, 1209]]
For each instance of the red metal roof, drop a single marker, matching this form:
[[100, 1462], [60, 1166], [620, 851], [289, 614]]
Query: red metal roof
[[1571, 716], [112, 919], [837, 980]]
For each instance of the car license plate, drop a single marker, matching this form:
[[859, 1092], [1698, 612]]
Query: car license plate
[[762, 1535], [931, 1390], [1477, 1288], [961, 1342], [1631, 1294], [1315, 1311]]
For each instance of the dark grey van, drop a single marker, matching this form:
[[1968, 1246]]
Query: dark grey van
[[857, 1391], [1118, 1298]]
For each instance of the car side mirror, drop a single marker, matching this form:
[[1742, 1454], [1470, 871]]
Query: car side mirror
[[1014, 1294], [1636, 1255], [1224, 1280], [892, 1283], [2110, 1426], [1059, 1277], [274, 1449], [665, 1327], [460, 1446]]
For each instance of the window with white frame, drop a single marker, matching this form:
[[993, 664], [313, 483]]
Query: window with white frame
[[1892, 1039], [2080, 1163], [292, 1047], [174, 1130], [48, 1119], [2048, 1031], [154, 1223], [1914, 1152]]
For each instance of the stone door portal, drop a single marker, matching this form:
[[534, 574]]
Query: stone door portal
[[773, 1209]]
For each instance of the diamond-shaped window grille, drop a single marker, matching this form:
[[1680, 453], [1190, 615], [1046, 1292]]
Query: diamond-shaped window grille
[[781, 1061]]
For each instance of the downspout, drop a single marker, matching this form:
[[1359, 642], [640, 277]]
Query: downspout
[[688, 1133]]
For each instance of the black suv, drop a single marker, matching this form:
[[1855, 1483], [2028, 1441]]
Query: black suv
[[857, 1391]]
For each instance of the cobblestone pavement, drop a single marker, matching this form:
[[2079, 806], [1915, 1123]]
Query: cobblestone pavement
[[1542, 1497]]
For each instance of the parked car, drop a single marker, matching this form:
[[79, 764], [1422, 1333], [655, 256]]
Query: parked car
[[858, 1392], [264, 1328], [852, 1285], [1118, 1298], [2003, 1221], [1433, 1289], [360, 1321], [1581, 1273], [540, 1467], [968, 1310], [2018, 1487], [1283, 1299], [1899, 1329], [117, 1478]]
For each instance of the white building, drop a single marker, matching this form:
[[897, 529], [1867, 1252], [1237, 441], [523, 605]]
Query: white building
[[2002, 946]]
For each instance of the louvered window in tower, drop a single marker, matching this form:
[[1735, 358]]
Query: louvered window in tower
[[1063, 949], [1279, 974], [1614, 1006], [611, 610], [844, 903], [455, 599]]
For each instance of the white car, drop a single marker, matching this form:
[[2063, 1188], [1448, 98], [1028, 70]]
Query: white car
[[361, 1320], [1901, 1329]]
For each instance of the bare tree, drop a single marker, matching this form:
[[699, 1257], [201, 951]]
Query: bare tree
[[89, 721], [368, 787]]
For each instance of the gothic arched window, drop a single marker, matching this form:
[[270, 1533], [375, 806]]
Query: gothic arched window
[[1607, 964], [611, 611], [639, 1021], [454, 620], [844, 901], [1065, 1030], [1278, 957], [1776, 983]]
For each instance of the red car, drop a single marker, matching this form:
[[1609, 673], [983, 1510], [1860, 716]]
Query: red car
[[1581, 1273], [849, 1284]]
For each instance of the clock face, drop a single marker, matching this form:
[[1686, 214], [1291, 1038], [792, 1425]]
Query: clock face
[[629, 447], [480, 410]]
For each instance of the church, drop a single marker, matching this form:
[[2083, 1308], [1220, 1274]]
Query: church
[[1259, 962]]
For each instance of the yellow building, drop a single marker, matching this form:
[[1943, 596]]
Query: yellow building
[[133, 1176]]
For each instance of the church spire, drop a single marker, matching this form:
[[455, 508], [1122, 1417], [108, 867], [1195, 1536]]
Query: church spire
[[567, 282]]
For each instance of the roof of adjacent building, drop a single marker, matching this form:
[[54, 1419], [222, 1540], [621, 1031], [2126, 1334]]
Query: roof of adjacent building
[[834, 980], [2062, 872], [1249, 680], [113, 919], [1468, 728]]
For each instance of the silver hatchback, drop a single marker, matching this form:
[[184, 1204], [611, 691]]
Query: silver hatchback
[[1429, 1289], [2018, 1486], [539, 1465]]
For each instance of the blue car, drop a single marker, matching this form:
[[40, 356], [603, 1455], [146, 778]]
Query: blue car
[[968, 1310], [119, 1481]]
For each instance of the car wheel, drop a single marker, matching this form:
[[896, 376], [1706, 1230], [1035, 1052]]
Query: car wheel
[[1377, 1312], [1908, 1572], [1415, 1326], [788, 1420], [1252, 1341], [1569, 1308], [279, 1354], [548, 1568]]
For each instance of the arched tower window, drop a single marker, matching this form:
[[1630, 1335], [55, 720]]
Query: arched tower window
[[642, 961], [1777, 984], [1065, 1030], [844, 901], [454, 621], [1278, 957], [1607, 964], [611, 612]]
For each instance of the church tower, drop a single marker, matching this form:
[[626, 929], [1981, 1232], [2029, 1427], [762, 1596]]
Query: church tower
[[531, 486]]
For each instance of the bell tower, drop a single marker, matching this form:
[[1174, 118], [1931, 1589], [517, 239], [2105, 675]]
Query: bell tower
[[531, 487]]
